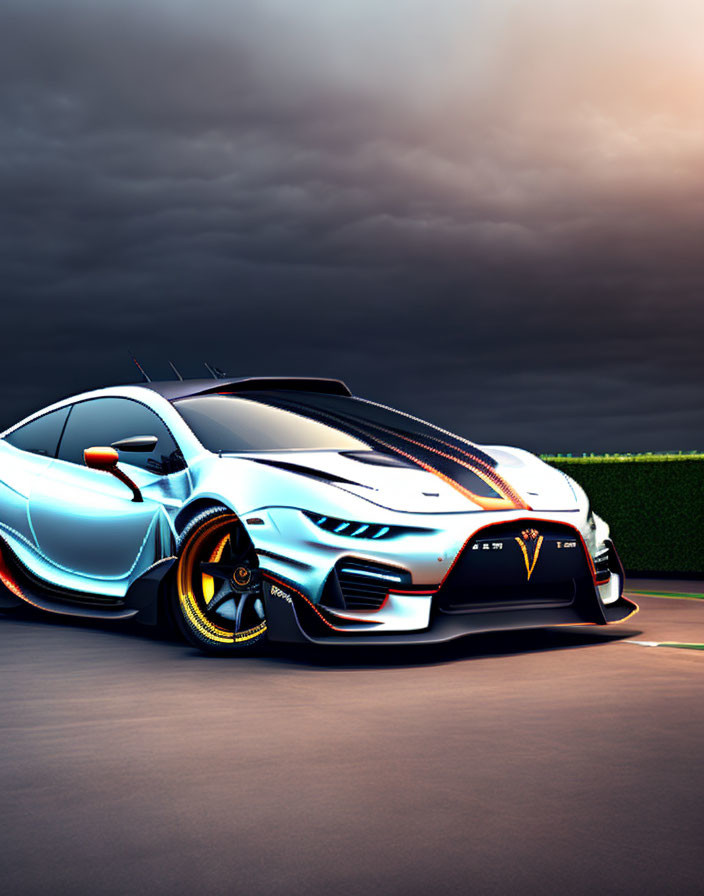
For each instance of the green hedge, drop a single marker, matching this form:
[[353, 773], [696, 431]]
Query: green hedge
[[655, 508]]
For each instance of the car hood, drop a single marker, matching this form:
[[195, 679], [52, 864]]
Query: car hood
[[400, 486]]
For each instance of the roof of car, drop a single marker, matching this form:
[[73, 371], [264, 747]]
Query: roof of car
[[174, 389]]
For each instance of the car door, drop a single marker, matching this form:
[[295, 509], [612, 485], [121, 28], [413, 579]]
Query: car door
[[84, 521]]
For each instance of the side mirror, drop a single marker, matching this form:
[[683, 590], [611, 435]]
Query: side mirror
[[101, 458], [105, 459]]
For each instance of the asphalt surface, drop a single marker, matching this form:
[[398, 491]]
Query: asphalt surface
[[562, 761]]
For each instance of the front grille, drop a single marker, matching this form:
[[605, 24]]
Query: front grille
[[364, 585], [523, 564], [519, 595]]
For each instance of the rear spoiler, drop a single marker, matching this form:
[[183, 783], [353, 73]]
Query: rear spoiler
[[175, 389]]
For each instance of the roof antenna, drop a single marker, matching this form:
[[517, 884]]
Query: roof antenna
[[147, 379], [214, 371], [171, 365]]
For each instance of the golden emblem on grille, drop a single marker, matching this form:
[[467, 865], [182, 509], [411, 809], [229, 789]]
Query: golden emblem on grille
[[530, 543]]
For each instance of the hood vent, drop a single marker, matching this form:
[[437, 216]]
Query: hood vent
[[378, 459], [300, 470]]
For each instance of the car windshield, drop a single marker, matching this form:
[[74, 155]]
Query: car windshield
[[234, 424]]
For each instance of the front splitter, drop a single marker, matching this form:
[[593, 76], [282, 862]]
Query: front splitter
[[286, 607]]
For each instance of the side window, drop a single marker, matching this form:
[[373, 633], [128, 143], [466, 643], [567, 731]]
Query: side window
[[42, 435], [102, 421]]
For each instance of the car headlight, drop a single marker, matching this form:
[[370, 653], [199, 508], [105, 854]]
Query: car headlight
[[357, 529]]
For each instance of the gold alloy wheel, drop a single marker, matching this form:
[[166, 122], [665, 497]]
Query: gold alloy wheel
[[219, 583]]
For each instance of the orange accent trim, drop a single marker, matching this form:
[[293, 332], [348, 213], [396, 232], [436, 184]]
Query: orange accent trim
[[489, 477], [633, 612], [625, 618], [484, 503], [8, 581], [399, 591], [570, 624]]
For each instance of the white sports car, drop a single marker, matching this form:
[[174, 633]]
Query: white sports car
[[289, 509]]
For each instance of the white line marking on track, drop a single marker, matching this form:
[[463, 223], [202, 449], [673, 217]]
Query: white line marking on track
[[643, 643]]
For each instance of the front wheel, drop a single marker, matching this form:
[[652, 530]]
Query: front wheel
[[218, 601]]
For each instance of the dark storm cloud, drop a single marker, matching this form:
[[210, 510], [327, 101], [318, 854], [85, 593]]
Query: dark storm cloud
[[490, 216]]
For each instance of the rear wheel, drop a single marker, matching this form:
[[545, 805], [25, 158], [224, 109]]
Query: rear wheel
[[218, 601]]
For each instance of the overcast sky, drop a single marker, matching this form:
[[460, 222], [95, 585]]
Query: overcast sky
[[489, 213]]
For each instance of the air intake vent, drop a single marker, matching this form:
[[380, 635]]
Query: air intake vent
[[601, 566], [364, 585]]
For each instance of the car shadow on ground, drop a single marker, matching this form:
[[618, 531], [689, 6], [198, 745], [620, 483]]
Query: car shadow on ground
[[469, 647]]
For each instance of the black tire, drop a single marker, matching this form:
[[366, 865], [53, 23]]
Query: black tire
[[216, 597]]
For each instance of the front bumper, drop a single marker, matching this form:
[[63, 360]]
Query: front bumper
[[491, 586], [290, 620]]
